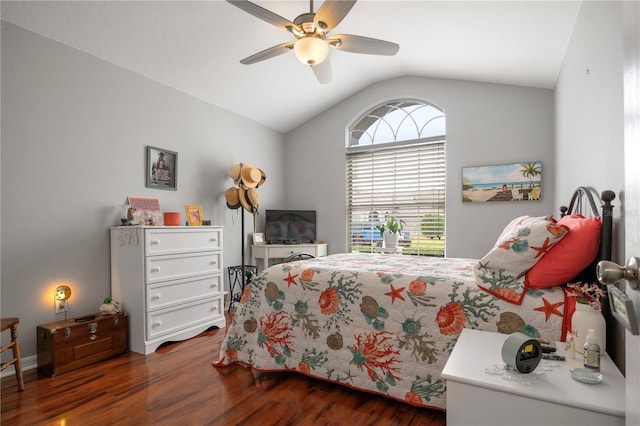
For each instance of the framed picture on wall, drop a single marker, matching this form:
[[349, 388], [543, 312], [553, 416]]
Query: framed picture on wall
[[504, 182], [194, 215], [161, 169]]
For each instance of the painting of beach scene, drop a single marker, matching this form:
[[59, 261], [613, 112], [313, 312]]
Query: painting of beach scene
[[505, 182]]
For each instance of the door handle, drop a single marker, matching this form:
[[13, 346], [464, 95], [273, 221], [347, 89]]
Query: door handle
[[610, 273], [621, 305]]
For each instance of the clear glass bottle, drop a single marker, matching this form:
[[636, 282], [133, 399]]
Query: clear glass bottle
[[592, 351]]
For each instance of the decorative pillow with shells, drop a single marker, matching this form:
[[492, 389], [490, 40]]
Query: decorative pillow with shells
[[522, 243]]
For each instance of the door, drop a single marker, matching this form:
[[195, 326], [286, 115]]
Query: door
[[632, 193]]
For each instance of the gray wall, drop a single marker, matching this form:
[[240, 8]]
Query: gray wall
[[74, 131], [487, 124], [589, 123], [589, 108]]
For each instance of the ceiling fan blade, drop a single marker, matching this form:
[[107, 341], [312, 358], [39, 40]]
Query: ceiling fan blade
[[323, 71], [264, 14], [360, 44], [268, 53], [332, 12]]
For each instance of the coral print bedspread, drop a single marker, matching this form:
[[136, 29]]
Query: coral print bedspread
[[380, 323]]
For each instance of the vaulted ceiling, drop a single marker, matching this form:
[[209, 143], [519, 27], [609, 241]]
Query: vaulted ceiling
[[196, 46]]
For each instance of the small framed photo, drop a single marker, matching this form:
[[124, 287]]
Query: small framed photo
[[258, 238], [161, 169], [194, 215]]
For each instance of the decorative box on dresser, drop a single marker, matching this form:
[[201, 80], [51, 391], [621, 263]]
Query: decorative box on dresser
[[169, 280]]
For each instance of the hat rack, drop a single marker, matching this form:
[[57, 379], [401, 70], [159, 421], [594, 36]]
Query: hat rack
[[244, 196]]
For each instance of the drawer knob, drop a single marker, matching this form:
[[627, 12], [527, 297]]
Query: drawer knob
[[156, 324], [156, 296], [155, 269], [155, 242]]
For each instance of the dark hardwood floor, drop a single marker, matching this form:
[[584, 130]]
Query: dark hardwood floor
[[177, 385]]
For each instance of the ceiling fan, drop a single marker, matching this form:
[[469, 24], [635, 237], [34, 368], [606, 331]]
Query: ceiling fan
[[311, 31]]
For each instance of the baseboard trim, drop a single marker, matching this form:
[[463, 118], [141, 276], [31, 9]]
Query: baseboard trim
[[28, 363]]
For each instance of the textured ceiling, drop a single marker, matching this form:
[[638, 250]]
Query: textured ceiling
[[196, 46]]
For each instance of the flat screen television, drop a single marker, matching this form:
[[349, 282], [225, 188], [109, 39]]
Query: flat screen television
[[290, 226]]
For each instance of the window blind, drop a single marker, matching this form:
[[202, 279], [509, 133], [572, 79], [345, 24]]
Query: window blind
[[406, 181]]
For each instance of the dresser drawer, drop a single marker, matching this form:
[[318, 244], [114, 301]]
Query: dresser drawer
[[168, 293], [167, 241], [168, 320], [172, 267], [284, 252]]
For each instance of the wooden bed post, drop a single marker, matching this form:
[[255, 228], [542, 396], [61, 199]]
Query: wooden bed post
[[606, 234]]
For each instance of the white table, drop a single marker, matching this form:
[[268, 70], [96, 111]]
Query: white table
[[282, 251], [475, 397]]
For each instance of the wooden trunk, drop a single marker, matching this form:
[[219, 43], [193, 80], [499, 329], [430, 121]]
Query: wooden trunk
[[75, 343]]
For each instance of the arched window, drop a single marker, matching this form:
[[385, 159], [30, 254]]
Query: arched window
[[395, 162]]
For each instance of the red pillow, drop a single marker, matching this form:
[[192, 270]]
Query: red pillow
[[570, 255]]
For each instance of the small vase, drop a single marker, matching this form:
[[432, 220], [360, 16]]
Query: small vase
[[584, 318], [391, 240]]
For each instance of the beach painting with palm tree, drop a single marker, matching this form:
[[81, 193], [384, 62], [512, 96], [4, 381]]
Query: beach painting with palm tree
[[505, 182]]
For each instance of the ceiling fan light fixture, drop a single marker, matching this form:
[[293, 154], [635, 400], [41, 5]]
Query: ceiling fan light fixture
[[311, 50]]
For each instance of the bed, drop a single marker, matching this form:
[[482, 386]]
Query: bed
[[386, 324]]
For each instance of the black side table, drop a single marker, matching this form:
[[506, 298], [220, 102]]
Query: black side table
[[236, 281]]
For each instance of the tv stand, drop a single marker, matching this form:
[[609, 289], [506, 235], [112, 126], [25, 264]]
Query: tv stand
[[266, 252]]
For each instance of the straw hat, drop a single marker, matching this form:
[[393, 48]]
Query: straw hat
[[233, 198], [250, 199], [263, 177], [250, 176], [234, 172]]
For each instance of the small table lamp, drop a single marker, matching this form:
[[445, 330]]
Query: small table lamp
[[61, 298]]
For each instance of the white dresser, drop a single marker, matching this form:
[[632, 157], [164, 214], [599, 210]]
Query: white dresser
[[168, 280]]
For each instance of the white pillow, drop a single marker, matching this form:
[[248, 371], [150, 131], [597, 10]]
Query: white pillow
[[521, 245]]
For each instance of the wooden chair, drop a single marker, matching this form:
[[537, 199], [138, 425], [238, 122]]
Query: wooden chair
[[535, 193], [12, 324]]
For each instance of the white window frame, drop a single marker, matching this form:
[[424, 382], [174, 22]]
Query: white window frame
[[401, 178]]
